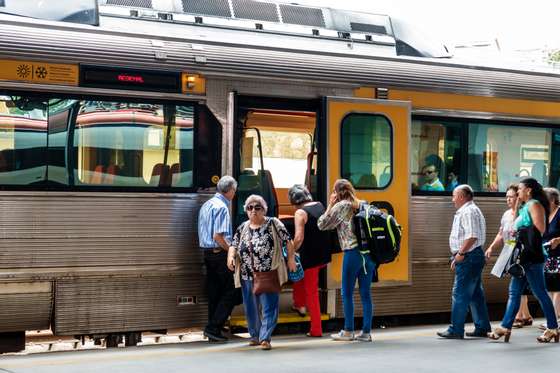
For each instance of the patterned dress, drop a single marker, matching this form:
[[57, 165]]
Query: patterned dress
[[256, 247]]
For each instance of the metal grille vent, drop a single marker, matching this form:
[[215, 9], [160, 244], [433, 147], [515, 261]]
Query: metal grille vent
[[257, 10], [132, 3], [299, 15], [218, 8], [365, 27]]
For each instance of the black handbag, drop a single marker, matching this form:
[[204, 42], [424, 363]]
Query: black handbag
[[514, 267]]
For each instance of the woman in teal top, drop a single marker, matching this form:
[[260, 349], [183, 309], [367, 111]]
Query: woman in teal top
[[533, 215]]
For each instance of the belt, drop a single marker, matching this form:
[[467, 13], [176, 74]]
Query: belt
[[215, 250]]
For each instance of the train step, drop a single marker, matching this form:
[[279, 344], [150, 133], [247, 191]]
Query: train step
[[283, 318]]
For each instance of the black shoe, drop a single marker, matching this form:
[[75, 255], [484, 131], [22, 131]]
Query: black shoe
[[448, 335], [477, 333], [214, 336]]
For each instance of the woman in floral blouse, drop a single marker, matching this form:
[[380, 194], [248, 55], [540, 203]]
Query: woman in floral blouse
[[356, 265], [253, 249]]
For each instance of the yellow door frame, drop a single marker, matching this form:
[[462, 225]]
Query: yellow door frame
[[397, 193]]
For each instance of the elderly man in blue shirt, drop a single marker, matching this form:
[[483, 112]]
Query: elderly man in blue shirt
[[214, 236]]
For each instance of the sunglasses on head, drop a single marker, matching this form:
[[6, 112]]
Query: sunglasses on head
[[254, 207]]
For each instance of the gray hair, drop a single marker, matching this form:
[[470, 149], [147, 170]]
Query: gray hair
[[466, 190], [226, 183], [299, 194], [258, 199], [553, 194]]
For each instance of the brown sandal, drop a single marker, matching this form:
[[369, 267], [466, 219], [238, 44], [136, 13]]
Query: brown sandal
[[499, 333], [549, 335]]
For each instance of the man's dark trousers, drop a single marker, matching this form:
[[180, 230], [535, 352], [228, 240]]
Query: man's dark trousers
[[222, 295]]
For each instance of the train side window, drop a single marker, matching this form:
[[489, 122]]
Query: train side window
[[501, 154], [123, 144], [435, 157], [23, 140], [366, 141]]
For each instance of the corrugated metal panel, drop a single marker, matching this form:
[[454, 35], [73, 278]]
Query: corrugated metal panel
[[25, 311], [105, 47], [41, 230], [431, 219], [128, 304]]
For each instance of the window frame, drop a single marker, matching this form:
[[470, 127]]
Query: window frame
[[465, 123], [108, 188], [391, 141]]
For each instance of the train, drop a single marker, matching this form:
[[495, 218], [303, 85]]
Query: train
[[118, 118]]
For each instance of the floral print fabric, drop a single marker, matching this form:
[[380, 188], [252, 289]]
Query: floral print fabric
[[256, 246]]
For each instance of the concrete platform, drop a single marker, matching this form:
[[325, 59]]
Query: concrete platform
[[411, 349]]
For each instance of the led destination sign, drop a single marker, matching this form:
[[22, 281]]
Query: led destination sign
[[141, 80]]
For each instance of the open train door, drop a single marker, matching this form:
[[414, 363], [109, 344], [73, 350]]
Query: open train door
[[367, 143]]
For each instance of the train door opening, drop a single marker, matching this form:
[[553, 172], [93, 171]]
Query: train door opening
[[276, 149]]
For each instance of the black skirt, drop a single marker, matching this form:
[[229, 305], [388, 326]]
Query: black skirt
[[552, 281]]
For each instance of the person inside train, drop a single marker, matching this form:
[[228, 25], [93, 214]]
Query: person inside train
[[355, 265], [551, 242], [431, 179], [256, 249], [313, 247], [530, 225], [214, 236], [506, 236], [466, 240], [452, 181]]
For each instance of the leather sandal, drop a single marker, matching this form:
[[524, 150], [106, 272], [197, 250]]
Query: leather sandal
[[500, 332], [549, 335]]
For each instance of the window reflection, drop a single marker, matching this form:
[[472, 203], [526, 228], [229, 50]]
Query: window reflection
[[124, 144], [23, 140]]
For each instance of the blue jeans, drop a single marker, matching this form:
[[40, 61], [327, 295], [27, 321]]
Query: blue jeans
[[534, 275], [357, 266], [468, 291], [261, 312]]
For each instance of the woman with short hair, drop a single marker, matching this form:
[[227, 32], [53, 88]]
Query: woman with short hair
[[257, 247], [356, 265], [313, 247]]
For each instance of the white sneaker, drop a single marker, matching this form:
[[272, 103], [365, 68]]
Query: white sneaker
[[343, 335], [364, 337]]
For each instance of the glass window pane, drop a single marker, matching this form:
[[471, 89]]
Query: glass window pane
[[23, 140], [435, 160], [181, 143], [366, 151], [500, 155]]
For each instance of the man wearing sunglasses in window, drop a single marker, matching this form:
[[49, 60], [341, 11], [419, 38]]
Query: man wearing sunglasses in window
[[431, 179]]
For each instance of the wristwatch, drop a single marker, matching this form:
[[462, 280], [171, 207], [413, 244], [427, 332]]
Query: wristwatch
[[460, 253]]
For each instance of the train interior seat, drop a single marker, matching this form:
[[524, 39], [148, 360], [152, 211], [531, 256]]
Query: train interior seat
[[269, 192], [112, 171], [175, 174], [385, 177], [97, 175], [160, 175]]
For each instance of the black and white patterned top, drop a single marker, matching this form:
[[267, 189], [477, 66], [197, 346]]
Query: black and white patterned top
[[258, 243]]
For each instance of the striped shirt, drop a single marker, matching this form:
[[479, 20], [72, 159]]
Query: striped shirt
[[214, 218], [467, 223]]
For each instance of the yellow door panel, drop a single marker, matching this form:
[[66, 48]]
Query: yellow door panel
[[393, 184]]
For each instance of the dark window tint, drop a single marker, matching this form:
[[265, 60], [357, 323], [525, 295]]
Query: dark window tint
[[435, 161], [23, 140], [367, 151]]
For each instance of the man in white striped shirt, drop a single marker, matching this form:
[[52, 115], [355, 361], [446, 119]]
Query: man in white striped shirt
[[465, 241]]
